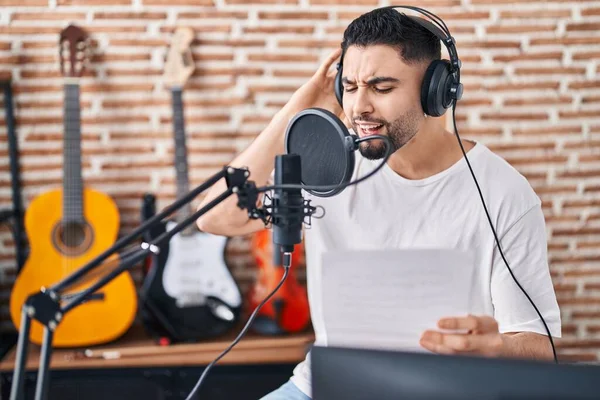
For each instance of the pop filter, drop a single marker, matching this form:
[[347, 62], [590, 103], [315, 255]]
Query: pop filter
[[325, 147]]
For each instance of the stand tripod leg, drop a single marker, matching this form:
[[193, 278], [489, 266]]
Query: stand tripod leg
[[16, 390], [41, 389]]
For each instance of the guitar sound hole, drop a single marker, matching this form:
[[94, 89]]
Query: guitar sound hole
[[72, 234], [73, 238]]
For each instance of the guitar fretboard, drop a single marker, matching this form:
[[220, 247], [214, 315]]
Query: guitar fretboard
[[72, 181], [181, 166]]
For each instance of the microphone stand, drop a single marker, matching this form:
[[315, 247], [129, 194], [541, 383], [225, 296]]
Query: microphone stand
[[45, 306]]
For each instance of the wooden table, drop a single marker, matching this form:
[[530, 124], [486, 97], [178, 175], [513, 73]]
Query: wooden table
[[257, 364], [135, 349]]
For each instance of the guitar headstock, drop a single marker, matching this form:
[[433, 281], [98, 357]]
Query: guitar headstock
[[179, 65], [73, 51]]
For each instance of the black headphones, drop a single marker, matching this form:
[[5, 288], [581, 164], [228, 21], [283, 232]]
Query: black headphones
[[441, 84]]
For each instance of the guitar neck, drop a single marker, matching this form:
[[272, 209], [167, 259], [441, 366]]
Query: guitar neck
[[181, 165], [72, 180]]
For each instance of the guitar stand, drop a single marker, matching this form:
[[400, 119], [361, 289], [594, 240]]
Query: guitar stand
[[46, 308]]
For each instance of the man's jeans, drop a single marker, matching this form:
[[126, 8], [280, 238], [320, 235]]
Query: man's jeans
[[288, 391]]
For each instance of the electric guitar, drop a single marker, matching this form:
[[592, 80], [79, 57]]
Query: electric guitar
[[189, 293], [69, 227]]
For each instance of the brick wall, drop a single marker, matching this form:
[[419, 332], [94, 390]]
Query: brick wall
[[532, 93]]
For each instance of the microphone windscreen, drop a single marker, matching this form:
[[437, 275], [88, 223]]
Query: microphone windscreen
[[321, 140]]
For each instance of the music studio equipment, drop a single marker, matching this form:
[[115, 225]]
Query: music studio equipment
[[70, 226], [189, 293], [440, 90]]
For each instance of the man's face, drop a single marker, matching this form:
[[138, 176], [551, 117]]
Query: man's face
[[382, 97]]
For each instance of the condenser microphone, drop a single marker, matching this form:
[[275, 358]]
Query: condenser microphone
[[287, 206], [326, 148]]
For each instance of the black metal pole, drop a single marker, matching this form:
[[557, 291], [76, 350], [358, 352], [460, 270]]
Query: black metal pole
[[16, 390], [141, 254], [19, 231], [74, 277], [41, 389], [235, 179]]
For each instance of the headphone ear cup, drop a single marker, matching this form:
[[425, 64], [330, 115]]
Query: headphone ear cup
[[338, 88], [434, 90]]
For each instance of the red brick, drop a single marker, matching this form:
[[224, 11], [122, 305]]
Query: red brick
[[579, 114], [4, 46], [506, 116], [291, 73], [538, 13], [279, 57], [584, 173], [585, 85], [585, 314], [102, 58], [551, 55], [580, 145], [133, 72], [535, 101], [549, 130], [542, 159], [501, 87], [293, 15], [575, 231], [306, 30], [492, 44], [550, 71], [310, 43], [519, 29], [590, 12], [25, 3], [590, 99], [572, 259], [199, 28], [142, 16], [231, 42], [55, 16], [564, 41], [212, 14], [593, 27], [514, 146], [585, 55]]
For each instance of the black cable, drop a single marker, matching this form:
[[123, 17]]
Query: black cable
[[496, 236], [239, 336]]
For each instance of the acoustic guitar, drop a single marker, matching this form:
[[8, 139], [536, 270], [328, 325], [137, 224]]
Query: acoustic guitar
[[69, 227], [189, 293]]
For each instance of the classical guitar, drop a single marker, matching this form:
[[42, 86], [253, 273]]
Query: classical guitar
[[288, 311], [68, 227], [189, 293]]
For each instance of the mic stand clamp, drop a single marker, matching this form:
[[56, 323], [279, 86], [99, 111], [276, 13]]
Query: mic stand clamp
[[46, 308]]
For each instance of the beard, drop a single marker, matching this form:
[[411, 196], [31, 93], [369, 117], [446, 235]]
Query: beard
[[400, 131]]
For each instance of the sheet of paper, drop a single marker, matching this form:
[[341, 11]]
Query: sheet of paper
[[385, 299]]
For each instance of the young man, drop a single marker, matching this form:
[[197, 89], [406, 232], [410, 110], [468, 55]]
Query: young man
[[424, 196]]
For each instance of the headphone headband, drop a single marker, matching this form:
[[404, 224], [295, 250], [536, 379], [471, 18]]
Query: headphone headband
[[441, 84]]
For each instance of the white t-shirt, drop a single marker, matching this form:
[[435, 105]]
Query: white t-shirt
[[443, 210]]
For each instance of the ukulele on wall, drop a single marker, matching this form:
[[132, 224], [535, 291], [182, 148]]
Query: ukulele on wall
[[188, 293], [69, 227]]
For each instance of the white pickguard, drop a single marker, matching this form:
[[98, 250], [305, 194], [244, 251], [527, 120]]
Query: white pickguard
[[195, 269]]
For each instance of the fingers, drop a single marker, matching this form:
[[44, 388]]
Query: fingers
[[445, 343], [328, 62], [471, 323]]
